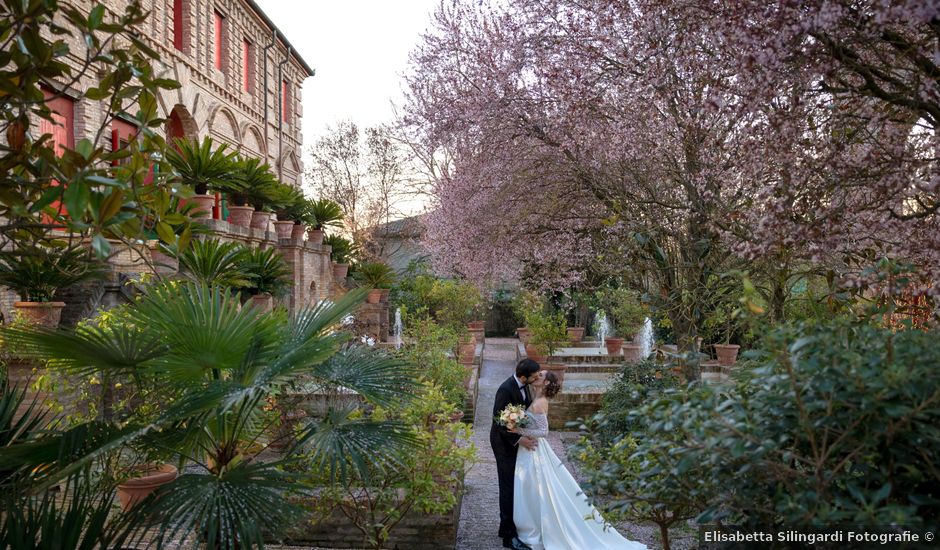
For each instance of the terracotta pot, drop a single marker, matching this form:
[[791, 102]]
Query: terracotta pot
[[614, 345], [314, 236], [263, 302], [151, 477], [203, 205], [727, 354], [475, 325], [340, 271], [534, 354], [631, 353], [557, 368], [374, 296], [260, 220], [44, 314], [575, 334], [283, 228], [297, 232], [240, 215]]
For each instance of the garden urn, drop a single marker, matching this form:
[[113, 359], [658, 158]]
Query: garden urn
[[149, 478], [631, 353], [297, 232], [43, 314], [575, 334], [727, 354], [614, 345], [315, 236], [262, 302], [340, 271], [240, 215], [202, 205], [374, 296], [260, 220], [283, 228]]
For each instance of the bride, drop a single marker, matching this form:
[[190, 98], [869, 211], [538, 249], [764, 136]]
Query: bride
[[549, 509]]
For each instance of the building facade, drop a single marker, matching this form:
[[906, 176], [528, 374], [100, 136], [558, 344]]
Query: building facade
[[240, 81]]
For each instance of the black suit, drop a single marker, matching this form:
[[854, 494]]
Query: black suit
[[505, 447]]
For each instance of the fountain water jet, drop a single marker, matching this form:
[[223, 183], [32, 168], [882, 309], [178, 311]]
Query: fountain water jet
[[646, 339], [398, 328]]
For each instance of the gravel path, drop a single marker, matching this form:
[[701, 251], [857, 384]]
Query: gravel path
[[479, 514]]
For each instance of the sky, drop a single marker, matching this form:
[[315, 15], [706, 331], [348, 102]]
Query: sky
[[359, 50]]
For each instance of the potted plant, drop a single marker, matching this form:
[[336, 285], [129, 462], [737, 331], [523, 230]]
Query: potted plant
[[627, 314], [203, 167], [727, 353], [575, 304], [375, 276], [548, 334], [147, 478], [289, 207], [36, 272], [341, 252], [263, 196], [268, 276], [249, 174], [523, 303], [322, 213]]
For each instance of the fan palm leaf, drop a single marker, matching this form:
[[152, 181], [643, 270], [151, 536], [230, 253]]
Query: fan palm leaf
[[376, 376], [201, 164], [231, 510], [212, 262]]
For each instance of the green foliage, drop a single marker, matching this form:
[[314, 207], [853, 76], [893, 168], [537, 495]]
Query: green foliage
[[36, 273], [427, 479], [836, 423], [90, 191], [226, 362], [548, 330], [213, 262], [375, 275], [251, 181], [323, 213], [342, 251], [202, 165], [624, 310], [289, 203], [429, 346], [634, 385], [266, 271]]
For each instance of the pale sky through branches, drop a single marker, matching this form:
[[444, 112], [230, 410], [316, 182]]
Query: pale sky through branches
[[359, 49]]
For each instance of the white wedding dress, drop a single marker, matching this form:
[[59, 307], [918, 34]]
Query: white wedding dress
[[549, 509]]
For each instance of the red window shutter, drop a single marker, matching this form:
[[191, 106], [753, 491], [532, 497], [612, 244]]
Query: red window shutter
[[178, 24], [62, 128], [219, 27], [122, 133], [246, 66]]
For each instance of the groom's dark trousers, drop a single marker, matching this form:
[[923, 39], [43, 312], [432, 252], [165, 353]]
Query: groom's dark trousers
[[505, 447]]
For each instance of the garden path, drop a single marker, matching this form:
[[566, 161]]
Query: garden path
[[479, 513]]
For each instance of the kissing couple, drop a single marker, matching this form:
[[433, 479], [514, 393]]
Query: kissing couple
[[541, 506]]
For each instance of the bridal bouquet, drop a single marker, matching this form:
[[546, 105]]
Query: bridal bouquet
[[513, 416]]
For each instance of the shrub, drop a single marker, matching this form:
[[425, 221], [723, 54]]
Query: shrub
[[839, 422], [428, 345]]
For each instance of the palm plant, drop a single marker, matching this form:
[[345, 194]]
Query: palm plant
[[266, 271], [341, 250], [227, 362], [375, 275], [290, 203], [212, 262], [201, 165], [324, 213], [251, 181], [37, 272]]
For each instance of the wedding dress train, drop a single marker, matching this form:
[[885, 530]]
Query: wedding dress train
[[549, 509]]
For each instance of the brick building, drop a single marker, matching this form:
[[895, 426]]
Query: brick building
[[240, 78]]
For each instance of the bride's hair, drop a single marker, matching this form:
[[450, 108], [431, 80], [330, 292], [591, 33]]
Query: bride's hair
[[552, 385]]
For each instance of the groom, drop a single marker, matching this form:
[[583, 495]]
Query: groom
[[514, 391]]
